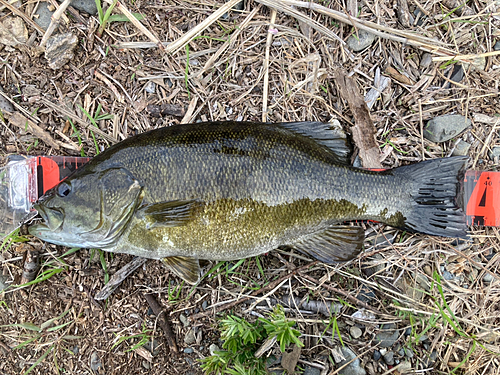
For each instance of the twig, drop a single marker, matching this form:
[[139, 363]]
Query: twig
[[268, 287], [26, 124], [112, 87], [191, 34], [118, 278], [345, 294], [162, 322], [54, 21], [14, 10], [265, 91], [189, 113], [363, 132]]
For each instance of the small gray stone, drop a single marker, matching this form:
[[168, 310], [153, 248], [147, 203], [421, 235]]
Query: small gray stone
[[189, 350], [190, 337], [478, 64], [408, 331], [366, 294], [444, 128], [87, 6], [213, 348], [184, 320], [448, 275], [43, 15], [376, 355], [360, 41], [75, 350], [3, 282], [461, 148], [405, 367], [495, 153], [309, 370], [389, 358], [146, 365], [156, 347], [95, 363], [426, 60], [150, 87], [355, 332], [387, 336], [353, 368], [204, 305], [59, 49], [409, 353], [496, 47], [488, 278]]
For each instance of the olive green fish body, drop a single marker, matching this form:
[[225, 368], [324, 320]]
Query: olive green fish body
[[229, 190]]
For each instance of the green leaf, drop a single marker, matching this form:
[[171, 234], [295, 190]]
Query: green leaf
[[123, 18]]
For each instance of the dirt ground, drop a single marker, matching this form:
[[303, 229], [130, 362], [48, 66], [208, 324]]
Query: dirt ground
[[434, 303]]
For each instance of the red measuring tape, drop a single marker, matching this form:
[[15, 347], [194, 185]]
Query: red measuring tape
[[481, 189]]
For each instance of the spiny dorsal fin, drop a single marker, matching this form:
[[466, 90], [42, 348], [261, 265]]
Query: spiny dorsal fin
[[186, 268], [338, 243], [167, 214], [326, 134]]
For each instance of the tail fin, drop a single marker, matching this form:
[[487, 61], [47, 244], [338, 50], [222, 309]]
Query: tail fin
[[437, 206]]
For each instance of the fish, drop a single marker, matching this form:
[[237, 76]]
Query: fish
[[232, 190]]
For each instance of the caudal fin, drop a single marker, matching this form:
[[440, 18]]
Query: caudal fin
[[437, 206]]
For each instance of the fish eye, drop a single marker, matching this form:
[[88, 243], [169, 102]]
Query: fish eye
[[63, 189]]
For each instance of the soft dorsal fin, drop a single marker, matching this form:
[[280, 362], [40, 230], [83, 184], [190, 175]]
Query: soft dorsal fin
[[338, 243], [326, 134], [186, 268], [167, 214]]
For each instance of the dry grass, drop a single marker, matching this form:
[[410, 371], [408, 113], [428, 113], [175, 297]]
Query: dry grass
[[271, 61]]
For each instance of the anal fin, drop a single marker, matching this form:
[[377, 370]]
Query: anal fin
[[186, 268], [338, 243]]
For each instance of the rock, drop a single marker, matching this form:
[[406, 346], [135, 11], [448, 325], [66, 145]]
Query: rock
[[363, 314], [13, 31], [457, 74], [75, 350], [96, 364], [388, 336], [213, 348], [496, 47], [389, 358], [59, 49], [444, 128], [461, 148], [478, 64], [146, 365], [361, 41], [447, 275], [87, 6], [409, 353], [152, 346], [188, 350], [408, 331], [184, 320], [309, 370], [374, 264], [366, 294], [5, 105], [190, 337], [3, 282], [377, 355], [43, 15], [405, 367], [150, 87], [488, 278], [353, 368], [204, 305], [495, 153], [355, 332], [426, 60]]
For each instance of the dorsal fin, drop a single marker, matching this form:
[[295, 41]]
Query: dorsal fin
[[326, 134]]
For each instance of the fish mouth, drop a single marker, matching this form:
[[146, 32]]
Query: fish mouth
[[52, 220]]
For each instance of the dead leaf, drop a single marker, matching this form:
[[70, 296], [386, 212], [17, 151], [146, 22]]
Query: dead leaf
[[29, 126], [289, 360], [13, 31]]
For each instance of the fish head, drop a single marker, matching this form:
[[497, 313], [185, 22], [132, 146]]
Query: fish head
[[89, 209]]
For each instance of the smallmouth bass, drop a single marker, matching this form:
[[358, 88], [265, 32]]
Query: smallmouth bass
[[231, 190]]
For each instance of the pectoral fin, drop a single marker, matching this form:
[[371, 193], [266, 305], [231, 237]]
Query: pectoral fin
[[339, 243], [186, 268], [167, 214]]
